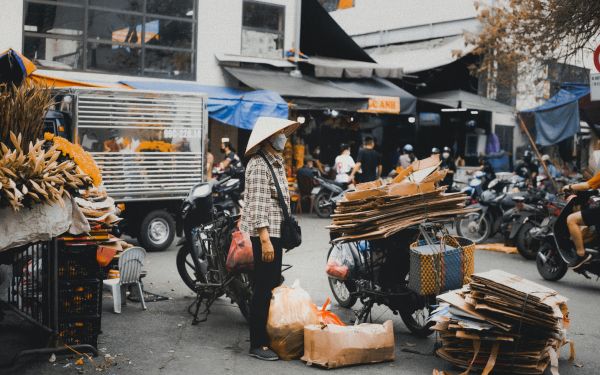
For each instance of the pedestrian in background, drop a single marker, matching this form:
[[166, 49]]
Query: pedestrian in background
[[449, 165], [368, 162], [261, 219], [343, 166], [316, 155], [554, 172], [407, 157]]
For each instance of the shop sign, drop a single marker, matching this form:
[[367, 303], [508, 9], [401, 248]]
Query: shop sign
[[384, 104], [595, 86]]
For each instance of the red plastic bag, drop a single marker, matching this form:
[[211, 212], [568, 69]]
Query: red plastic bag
[[240, 257], [327, 317], [340, 263], [337, 271]]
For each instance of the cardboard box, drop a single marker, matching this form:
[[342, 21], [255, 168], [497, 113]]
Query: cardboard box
[[336, 346]]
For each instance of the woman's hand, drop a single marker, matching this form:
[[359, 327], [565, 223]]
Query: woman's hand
[[268, 253]]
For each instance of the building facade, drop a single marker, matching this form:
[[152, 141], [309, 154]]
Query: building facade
[[113, 40]]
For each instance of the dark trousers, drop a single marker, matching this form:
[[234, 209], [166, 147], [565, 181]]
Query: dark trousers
[[267, 276]]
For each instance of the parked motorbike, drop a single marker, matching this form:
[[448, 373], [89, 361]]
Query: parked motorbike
[[381, 276], [207, 225], [474, 189], [493, 203], [228, 192], [528, 213], [557, 251], [327, 193]]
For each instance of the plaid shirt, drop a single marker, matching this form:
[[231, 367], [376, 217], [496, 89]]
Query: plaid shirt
[[262, 207]]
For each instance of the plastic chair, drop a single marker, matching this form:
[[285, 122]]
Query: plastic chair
[[130, 267]]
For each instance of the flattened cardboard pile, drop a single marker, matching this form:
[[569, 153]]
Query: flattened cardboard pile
[[504, 323], [378, 210]]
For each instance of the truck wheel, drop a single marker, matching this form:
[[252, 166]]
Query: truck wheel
[[157, 231]]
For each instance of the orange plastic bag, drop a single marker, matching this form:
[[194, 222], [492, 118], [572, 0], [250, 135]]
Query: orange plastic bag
[[240, 257], [291, 309], [105, 255], [327, 317]]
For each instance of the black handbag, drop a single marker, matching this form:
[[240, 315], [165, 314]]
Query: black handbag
[[291, 234]]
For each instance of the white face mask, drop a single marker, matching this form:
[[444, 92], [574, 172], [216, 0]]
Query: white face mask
[[278, 141], [445, 155]]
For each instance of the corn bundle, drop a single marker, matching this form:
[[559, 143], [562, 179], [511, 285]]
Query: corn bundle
[[22, 110], [36, 174]]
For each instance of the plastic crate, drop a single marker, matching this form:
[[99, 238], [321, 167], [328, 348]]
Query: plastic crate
[[77, 263], [80, 298], [80, 331]]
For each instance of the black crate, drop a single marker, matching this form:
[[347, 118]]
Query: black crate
[[29, 285], [77, 262], [79, 331], [80, 298]]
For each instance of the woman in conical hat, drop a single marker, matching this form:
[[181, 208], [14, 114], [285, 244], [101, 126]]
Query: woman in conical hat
[[261, 218]]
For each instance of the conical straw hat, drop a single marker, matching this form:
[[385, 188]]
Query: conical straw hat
[[266, 127]]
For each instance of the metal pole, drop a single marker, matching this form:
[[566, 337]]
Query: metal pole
[[297, 72], [537, 152]]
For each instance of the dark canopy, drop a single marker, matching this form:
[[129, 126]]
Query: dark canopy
[[303, 93], [320, 35]]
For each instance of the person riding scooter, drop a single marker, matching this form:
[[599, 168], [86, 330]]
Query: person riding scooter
[[585, 217], [449, 165]]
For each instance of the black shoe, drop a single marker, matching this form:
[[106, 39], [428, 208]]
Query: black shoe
[[583, 260], [263, 353]]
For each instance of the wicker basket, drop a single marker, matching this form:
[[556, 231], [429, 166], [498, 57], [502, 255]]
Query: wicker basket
[[428, 283]]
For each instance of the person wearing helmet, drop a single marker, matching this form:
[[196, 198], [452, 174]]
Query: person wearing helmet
[[526, 167], [435, 151], [449, 165], [407, 157]]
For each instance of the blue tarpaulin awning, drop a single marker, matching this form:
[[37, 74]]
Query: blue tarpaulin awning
[[231, 106], [558, 118]]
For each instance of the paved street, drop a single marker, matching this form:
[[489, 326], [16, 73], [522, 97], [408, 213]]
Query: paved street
[[162, 341]]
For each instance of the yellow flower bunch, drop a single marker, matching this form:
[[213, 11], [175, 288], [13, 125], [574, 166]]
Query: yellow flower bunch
[[161, 146], [83, 159]]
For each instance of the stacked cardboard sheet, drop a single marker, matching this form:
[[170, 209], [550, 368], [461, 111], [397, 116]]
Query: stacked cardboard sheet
[[379, 210], [504, 323]]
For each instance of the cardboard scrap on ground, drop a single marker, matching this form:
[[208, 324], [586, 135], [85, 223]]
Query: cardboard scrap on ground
[[497, 247], [377, 210], [503, 323], [335, 346]]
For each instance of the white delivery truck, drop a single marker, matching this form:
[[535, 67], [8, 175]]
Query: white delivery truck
[[150, 147]]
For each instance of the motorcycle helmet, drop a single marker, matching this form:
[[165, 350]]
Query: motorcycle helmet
[[488, 196], [408, 148], [435, 150], [446, 149]]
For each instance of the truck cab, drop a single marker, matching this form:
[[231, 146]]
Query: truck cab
[[149, 146]]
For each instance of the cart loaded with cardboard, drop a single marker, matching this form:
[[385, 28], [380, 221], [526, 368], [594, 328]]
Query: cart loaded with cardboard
[[56, 226], [390, 247]]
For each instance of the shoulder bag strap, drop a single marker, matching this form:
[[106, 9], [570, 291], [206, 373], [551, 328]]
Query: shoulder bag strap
[[284, 209]]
